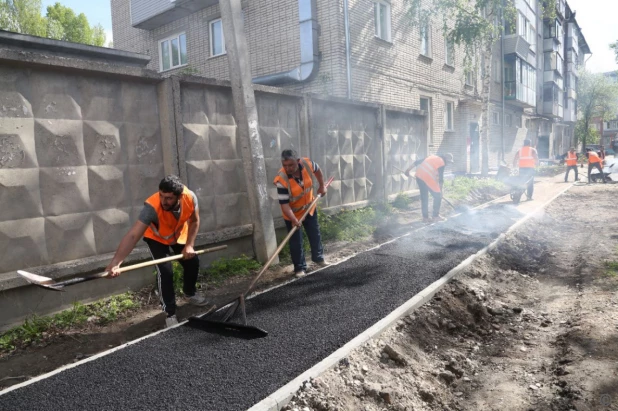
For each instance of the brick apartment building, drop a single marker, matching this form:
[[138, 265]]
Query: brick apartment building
[[368, 50]]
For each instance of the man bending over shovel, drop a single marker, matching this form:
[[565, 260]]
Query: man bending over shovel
[[169, 220], [295, 192], [429, 179]]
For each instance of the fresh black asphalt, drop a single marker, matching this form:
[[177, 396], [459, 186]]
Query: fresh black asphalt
[[307, 320]]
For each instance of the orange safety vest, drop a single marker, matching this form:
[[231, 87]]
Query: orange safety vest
[[427, 171], [170, 230], [300, 197], [571, 159], [526, 160], [593, 157]]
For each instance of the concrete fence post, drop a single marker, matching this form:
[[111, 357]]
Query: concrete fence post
[[384, 174], [264, 238], [167, 118]]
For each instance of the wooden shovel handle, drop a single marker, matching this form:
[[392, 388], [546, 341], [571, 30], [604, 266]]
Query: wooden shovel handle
[[163, 260]]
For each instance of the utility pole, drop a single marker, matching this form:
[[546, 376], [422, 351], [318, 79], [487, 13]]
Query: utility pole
[[264, 239]]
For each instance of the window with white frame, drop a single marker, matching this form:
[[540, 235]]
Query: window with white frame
[[173, 52], [518, 122], [426, 106], [495, 118], [449, 116], [450, 52], [425, 32], [382, 17], [508, 120], [217, 41]]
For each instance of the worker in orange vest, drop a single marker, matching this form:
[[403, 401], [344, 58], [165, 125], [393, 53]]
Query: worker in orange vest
[[594, 161], [571, 164], [429, 179], [526, 159], [168, 222], [295, 192]]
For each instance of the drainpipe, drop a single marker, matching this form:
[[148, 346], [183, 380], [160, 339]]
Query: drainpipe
[[346, 20], [309, 50]]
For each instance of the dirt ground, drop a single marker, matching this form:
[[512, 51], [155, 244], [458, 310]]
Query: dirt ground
[[531, 326]]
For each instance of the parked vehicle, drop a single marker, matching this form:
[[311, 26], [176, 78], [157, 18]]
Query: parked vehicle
[[610, 170]]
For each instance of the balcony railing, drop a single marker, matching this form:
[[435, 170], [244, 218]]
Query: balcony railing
[[152, 14], [551, 108]]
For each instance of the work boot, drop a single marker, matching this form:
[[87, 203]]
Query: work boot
[[322, 263], [198, 300], [300, 274], [427, 220], [171, 321], [438, 218]]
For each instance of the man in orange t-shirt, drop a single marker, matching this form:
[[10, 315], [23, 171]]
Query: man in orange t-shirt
[[571, 164]]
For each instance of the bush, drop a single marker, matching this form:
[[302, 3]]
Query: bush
[[402, 201], [460, 188], [225, 268]]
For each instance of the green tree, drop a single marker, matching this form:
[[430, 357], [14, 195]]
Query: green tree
[[77, 29], [476, 27], [597, 97], [23, 16], [60, 23], [614, 46]]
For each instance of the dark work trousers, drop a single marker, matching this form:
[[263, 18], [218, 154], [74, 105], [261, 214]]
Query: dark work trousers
[[528, 172], [312, 228], [598, 167], [568, 171], [437, 199], [165, 276]]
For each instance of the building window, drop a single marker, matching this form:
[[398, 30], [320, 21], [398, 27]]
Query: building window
[[497, 71], [508, 120], [495, 118], [426, 106], [469, 78], [217, 41], [518, 122], [425, 33], [450, 52], [173, 52], [449, 121], [382, 15]]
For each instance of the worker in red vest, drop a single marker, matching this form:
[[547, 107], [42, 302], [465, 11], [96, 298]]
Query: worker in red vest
[[594, 161], [295, 192], [571, 164], [168, 222], [527, 159], [429, 179]]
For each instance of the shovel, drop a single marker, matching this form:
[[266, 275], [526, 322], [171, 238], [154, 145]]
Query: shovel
[[226, 328], [50, 284]]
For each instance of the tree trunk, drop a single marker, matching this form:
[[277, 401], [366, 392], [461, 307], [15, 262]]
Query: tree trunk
[[485, 99]]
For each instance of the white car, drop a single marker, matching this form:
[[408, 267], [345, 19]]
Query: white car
[[610, 170]]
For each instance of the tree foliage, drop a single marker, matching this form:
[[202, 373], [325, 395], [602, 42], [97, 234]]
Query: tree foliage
[[597, 97], [60, 22], [614, 46]]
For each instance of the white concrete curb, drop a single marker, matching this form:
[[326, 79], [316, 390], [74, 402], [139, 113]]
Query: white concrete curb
[[278, 399]]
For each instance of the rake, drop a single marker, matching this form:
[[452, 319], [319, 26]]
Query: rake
[[50, 284], [227, 328]]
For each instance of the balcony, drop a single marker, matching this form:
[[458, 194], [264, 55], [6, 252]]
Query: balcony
[[553, 77], [520, 95], [152, 14], [515, 44], [552, 109]]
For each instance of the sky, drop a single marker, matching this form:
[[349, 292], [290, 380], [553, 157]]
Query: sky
[[97, 12], [598, 20]]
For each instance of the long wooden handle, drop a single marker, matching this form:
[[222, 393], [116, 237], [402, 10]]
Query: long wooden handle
[[285, 240], [165, 260]]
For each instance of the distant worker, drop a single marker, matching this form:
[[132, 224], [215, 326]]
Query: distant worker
[[295, 192], [169, 220], [527, 159], [571, 164], [429, 179], [602, 154], [594, 161]]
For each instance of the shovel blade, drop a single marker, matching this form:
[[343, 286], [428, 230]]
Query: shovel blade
[[227, 329], [43, 282]]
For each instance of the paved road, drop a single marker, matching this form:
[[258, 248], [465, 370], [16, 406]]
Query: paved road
[[188, 369]]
